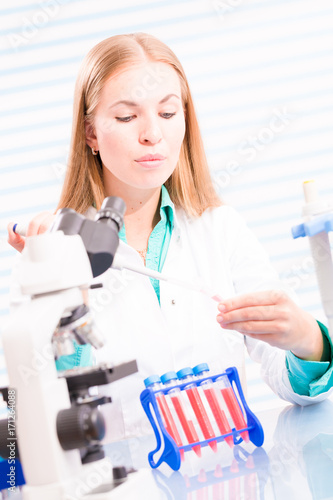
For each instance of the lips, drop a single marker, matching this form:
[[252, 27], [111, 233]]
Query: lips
[[151, 157]]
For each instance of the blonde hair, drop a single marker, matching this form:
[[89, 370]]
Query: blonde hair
[[190, 185]]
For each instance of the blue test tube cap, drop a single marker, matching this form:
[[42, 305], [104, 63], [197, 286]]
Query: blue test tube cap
[[166, 377], [184, 372], [153, 379], [202, 367]]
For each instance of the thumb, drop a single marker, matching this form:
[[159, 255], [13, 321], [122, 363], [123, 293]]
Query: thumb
[[15, 240]]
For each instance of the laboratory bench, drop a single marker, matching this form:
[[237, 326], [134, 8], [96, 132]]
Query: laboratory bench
[[294, 462]]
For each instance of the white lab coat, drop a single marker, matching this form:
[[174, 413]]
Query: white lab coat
[[219, 251]]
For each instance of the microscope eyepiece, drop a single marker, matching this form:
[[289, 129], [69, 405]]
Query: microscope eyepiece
[[100, 236], [112, 208]]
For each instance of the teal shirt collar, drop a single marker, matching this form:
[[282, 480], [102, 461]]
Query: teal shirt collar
[[167, 209]]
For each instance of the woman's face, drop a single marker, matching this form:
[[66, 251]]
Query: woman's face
[[139, 126]]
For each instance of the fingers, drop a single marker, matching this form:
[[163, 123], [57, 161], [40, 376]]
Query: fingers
[[253, 328], [263, 315], [252, 308], [15, 240], [40, 223], [268, 297], [37, 225], [272, 317], [254, 313]]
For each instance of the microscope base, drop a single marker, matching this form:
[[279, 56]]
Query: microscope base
[[95, 484], [139, 485]]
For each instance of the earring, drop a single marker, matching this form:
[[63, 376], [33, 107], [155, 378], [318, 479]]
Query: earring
[[94, 152]]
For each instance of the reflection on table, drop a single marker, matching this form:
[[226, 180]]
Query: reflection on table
[[295, 461], [301, 460]]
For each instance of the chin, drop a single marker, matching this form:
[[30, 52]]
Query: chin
[[152, 181]]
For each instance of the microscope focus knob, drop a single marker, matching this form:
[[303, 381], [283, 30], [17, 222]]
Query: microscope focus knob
[[80, 426]]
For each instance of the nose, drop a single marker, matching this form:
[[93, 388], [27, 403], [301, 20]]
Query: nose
[[150, 133]]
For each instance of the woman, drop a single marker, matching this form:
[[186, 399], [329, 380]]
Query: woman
[[135, 135]]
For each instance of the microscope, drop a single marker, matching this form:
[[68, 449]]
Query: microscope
[[54, 424]]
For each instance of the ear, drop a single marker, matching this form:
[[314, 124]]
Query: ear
[[91, 138]]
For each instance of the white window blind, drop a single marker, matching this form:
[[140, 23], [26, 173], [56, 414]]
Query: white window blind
[[261, 73]]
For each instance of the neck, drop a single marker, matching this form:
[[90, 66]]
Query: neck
[[142, 212]]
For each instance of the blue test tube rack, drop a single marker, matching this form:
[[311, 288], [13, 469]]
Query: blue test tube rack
[[171, 452]]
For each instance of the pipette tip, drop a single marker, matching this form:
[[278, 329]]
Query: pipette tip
[[212, 295], [218, 298]]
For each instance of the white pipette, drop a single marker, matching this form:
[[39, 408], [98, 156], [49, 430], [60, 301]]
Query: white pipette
[[119, 263]]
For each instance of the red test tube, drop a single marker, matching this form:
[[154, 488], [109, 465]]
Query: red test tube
[[186, 374], [202, 370], [233, 406], [170, 379], [154, 382]]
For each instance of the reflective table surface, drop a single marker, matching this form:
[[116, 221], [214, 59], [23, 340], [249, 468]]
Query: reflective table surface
[[295, 461]]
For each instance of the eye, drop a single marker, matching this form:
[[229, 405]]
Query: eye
[[167, 115], [124, 118]]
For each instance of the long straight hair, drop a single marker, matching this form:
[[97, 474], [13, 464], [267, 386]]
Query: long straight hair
[[190, 186]]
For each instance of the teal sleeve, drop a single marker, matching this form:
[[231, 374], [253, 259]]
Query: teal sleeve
[[83, 356], [310, 378]]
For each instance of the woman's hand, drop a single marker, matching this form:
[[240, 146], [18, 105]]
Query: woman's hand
[[37, 225], [273, 317]]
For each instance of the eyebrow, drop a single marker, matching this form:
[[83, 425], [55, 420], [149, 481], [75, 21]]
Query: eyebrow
[[132, 103]]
